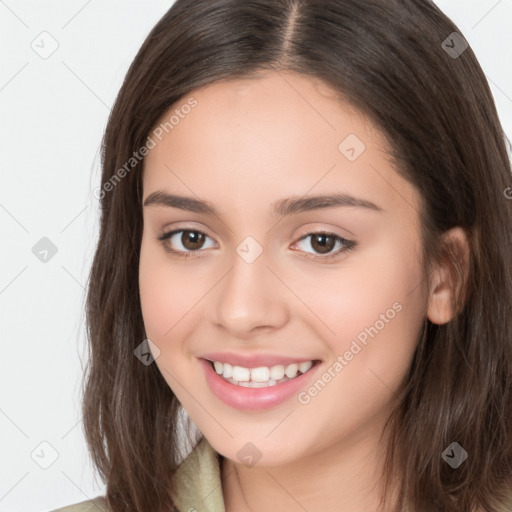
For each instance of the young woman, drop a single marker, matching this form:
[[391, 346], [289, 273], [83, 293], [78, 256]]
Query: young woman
[[306, 249]]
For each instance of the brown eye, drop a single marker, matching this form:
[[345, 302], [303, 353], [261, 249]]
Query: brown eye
[[192, 240], [184, 242], [323, 243]]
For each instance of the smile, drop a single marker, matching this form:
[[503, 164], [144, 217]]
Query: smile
[[256, 389], [260, 377]]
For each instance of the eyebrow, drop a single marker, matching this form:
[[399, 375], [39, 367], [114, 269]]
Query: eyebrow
[[283, 207]]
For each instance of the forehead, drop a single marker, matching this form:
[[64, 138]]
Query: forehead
[[278, 135]]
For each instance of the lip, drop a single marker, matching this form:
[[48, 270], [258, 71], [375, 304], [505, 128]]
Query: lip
[[255, 399], [252, 360]]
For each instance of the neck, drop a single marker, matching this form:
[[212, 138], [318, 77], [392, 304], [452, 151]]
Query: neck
[[344, 477]]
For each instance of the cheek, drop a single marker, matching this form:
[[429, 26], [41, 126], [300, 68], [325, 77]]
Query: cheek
[[374, 301], [376, 311], [170, 293], [165, 298], [153, 291], [157, 285]]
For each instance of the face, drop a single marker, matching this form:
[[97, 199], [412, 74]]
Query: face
[[261, 281]]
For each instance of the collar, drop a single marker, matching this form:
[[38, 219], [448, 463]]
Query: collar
[[197, 480]]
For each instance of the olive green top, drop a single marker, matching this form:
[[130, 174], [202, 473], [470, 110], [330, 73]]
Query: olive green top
[[197, 483]]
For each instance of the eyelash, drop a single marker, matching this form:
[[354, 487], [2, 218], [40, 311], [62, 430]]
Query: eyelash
[[348, 244]]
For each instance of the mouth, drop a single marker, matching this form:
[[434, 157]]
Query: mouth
[[258, 388], [261, 376]]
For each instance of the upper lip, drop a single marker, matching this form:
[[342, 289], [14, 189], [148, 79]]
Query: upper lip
[[253, 360]]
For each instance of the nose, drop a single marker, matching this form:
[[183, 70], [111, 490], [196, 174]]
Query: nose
[[250, 299]]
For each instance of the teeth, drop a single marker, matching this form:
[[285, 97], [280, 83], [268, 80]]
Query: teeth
[[277, 372], [227, 371], [251, 384], [261, 376], [304, 367], [291, 370], [241, 374]]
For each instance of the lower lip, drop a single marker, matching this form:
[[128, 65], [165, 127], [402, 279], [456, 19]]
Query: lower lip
[[254, 399]]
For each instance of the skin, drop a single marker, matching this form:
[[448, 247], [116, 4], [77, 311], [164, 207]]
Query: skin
[[246, 144]]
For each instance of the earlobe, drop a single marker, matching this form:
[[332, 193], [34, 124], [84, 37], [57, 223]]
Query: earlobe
[[446, 281]]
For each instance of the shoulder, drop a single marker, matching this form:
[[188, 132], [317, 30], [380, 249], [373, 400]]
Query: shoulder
[[98, 504]]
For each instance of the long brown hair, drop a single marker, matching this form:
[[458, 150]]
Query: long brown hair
[[393, 60]]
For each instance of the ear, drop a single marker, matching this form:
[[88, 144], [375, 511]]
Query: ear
[[445, 282]]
